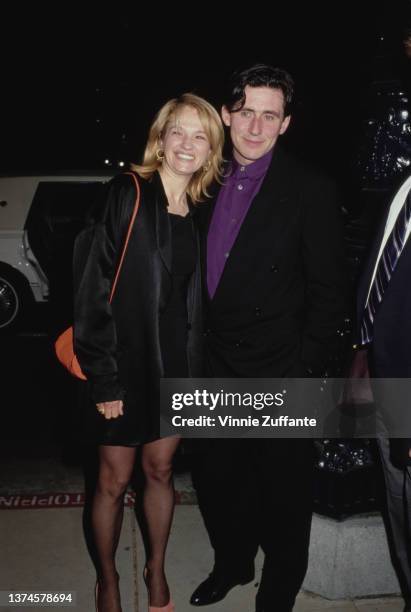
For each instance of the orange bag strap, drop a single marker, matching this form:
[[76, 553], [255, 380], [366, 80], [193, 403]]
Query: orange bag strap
[[130, 227]]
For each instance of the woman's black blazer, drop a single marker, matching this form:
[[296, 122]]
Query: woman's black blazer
[[118, 344]]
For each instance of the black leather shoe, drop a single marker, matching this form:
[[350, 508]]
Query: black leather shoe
[[215, 588], [271, 607]]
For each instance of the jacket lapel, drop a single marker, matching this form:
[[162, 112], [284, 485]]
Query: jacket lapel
[[274, 195], [368, 270], [162, 223], [204, 215]]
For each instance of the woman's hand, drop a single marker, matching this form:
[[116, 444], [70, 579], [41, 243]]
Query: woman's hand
[[111, 410]]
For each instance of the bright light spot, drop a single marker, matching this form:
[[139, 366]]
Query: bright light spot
[[107, 161], [404, 114], [121, 164]]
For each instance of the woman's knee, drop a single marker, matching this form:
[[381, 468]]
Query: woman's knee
[[112, 484], [157, 469]]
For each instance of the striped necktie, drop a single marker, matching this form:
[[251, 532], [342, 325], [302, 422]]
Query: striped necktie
[[386, 266]]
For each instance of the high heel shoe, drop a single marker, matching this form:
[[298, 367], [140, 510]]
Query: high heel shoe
[[96, 595], [168, 608]]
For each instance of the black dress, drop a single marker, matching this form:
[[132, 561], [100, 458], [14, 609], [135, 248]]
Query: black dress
[[173, 320]]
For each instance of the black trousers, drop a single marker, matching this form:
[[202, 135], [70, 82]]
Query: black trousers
[[255, 492]]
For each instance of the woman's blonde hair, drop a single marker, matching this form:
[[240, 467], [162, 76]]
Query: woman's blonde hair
[[213, 127]]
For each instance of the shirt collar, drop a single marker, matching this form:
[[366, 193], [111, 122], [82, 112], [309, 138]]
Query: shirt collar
[[253, 171]]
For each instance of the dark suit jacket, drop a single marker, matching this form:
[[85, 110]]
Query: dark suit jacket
[[118, 344], [390, 351], [391, 347], [282, 295]]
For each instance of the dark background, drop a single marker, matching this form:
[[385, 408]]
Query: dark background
[[78, 89]]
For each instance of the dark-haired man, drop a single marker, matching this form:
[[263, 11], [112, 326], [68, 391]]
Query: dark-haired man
[[274, 274]]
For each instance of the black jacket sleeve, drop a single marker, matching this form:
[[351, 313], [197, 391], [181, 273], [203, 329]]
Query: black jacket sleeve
[[96, 255], [326, 276]]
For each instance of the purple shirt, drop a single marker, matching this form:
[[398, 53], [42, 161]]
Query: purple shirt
[[234, 199]]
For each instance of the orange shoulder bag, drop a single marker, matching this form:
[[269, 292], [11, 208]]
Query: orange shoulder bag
[[64, 345]]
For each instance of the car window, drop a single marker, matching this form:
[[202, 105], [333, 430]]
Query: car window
[[58, 212]]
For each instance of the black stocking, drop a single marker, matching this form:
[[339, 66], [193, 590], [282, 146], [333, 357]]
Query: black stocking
[[116, 466], [158, 506]]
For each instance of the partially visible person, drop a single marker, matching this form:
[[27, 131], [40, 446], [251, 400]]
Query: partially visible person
[[384, 332], [151, 329], [384, 303]]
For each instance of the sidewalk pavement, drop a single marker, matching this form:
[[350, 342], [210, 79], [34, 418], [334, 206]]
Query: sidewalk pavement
[[43, 549]]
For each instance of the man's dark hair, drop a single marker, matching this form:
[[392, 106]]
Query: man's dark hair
[[258, 75]]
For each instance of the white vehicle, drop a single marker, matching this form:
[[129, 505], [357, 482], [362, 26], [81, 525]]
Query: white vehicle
[[39, 219]]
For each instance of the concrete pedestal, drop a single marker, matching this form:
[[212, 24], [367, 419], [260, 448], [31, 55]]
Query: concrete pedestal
[[350, 559]]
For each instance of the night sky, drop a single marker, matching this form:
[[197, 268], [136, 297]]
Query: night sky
[[77, 89]]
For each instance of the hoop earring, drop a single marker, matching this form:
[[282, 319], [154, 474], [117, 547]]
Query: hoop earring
[[160, 155]]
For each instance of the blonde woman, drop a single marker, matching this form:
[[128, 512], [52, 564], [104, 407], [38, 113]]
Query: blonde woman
[[151, 329]]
